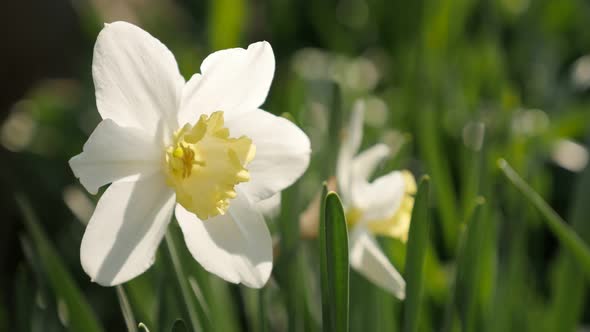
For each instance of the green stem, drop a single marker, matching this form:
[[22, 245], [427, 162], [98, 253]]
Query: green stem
[[564, 233], [182, 282], [126, 309]]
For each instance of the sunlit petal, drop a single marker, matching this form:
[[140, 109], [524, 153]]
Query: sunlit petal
[[115, 153], [367, 258], [236, 246], [136, 79], [233, 81], [282, 152], [125, 230], [381, 197]]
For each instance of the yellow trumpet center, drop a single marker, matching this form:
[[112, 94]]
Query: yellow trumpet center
[[204, 164], [396, 226]]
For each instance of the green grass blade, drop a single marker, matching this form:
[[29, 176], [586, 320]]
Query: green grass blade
[[462, 291], [334, 265], [415, 255], [564, 233], [166, 311], [179, 326], [141, 293], [429, 140], [289, 265], [324, 280], [468, 269], [187, 296], [80, 315], [570, 288], [223, 313], [226, 21], [126, 309], [261, 311], [41, 309], [24, 296]]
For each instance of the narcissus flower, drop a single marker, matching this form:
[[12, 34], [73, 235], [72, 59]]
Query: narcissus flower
[[382, 207], [201, 149]]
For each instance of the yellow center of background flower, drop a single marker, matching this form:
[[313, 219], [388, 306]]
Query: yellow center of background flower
[[204, 164]]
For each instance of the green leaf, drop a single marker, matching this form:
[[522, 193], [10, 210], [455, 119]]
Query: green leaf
[[415, 256], [223, 312], [262, 314], [334, 264], [429, 140], [226, 23], [570, 288], [289, 265], [324, 278], [126, 309], [24, 298], [564, 233], [37, 303], [467, 276], [179, 326], [194, 312], [79, 313], [141, 293]]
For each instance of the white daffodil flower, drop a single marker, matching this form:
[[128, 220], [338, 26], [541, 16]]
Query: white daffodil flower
[[382, 207], [201, 148]]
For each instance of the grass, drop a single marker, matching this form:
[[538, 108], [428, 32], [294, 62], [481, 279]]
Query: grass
[[450, 86]]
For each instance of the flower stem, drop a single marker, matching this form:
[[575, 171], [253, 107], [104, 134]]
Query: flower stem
[[126, 309], [183, 283]]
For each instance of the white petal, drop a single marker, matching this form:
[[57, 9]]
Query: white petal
[[282, 152], [232, 80], [115, 153], [380, 198], [271, 206], [367, 258], [349, 147], [125, 230], [236, 246], [364, 164], [355, 128], [136, 79]]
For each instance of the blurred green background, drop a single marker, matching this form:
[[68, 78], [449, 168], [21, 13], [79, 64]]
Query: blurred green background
[[450, 85]]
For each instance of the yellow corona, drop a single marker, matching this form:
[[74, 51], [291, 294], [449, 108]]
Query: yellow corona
[[204, 164]]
